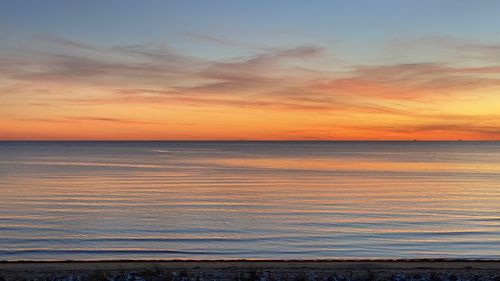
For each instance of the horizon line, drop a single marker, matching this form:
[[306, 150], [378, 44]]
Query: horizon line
[[250, 140]]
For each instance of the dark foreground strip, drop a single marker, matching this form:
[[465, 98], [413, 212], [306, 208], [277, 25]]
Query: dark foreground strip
[[246, 270]]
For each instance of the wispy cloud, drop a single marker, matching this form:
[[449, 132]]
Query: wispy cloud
[[485, 52], [52, 39], [277, 80], [84, 119], [206, 38], [420, 82]]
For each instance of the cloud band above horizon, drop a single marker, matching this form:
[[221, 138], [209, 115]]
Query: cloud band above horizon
[[425, 87]]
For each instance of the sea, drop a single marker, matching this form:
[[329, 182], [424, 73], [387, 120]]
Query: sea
[[249, 200]]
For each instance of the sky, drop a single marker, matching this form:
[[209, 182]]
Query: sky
[[249, 70]]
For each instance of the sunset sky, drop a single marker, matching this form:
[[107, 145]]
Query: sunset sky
[[243, 70]]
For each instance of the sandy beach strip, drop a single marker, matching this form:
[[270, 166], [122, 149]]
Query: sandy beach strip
[[434, 270]]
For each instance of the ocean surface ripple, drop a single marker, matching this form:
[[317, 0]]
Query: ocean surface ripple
[[225, 200]]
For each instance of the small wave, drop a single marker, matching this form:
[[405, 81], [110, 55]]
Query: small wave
[[100, 252], [13, 240], [82, 164]]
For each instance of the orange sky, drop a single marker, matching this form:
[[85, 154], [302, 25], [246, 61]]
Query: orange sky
[[276, 94], [202, 87], [266, 96]]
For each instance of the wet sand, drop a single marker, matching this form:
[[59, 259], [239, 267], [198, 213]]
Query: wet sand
[[434, 270]]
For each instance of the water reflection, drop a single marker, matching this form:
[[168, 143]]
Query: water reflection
[[249, 200]]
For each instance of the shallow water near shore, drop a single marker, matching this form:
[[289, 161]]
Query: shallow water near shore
[[279, 200]]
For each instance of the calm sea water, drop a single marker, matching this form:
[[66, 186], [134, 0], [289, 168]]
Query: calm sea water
[[211, 200]]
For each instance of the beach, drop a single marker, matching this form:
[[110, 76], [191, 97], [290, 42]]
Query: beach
[[452, 270], [249, 140]]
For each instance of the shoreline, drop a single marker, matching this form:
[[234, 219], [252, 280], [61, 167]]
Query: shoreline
[[264, 260], [198, 270]]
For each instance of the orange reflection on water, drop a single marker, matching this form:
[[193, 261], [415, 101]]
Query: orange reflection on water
[[325, 164]]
